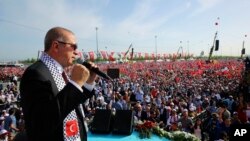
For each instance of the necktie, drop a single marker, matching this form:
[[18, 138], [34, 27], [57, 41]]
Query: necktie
[[65, 78]]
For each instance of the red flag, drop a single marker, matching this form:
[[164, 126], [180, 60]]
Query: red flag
[[79, 54], [92, 56], [139, 55], [104, 54], [111, 56], [146, 56]]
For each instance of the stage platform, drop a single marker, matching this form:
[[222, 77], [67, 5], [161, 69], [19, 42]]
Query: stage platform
[[112, 137]]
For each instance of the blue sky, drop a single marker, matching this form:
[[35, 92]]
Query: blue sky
[[186, 23]]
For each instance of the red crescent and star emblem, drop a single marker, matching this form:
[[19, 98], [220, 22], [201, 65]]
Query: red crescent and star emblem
[[71, 128]]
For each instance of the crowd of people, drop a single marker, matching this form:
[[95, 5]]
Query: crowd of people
[[11, 119], [201, 98], [10, 73]]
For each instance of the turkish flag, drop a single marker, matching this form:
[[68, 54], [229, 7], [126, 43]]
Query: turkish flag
[[104, 54], [111, 56], [72, 128], [91, 55]]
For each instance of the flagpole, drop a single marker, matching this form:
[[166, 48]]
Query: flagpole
[[156, 48], [97, 50], [38, 55]]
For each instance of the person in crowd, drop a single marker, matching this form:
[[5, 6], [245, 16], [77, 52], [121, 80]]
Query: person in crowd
[[139, 93], [122, 102], [117, 105], [235, 119], [112, 99], [100, 104], [186, 121], [145, 115], [165, 115], [223, 136], [51, 99], [10, 123], [1, 123], [223, 112], [138, 111], [172, 122], [198, 129], [230, 101], [241, 108], [214, 127], [153, 117], [4, 135], [2, 97], [226, 125]]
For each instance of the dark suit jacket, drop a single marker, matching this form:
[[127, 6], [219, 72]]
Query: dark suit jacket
[[44, 107], [164, 116], [144, 115]]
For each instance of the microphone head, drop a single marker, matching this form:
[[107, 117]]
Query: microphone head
[[87, 65], [95, 70], [79, 60]]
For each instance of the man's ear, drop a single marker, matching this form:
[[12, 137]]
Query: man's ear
[[54, 46]]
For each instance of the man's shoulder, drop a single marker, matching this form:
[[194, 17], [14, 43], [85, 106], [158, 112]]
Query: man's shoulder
[[35, 70], [37, 65]]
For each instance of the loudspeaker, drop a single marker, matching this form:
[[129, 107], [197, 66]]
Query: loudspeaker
[[243, 51], [216, 45], [102, 122], [123, 122], [113, 73]]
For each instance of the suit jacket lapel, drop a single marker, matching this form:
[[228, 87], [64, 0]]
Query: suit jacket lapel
[[48, 73], [55, 90]]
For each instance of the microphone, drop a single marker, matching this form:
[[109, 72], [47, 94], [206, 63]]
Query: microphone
[[95, 70]]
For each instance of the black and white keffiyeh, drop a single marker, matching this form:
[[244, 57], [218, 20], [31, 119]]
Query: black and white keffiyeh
[[70, 123]]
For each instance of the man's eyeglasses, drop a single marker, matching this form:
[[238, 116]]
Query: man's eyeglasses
[[74, 46]]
